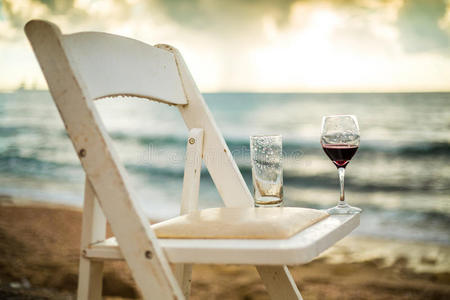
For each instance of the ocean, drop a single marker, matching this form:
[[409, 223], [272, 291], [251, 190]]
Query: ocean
[[400, 175]]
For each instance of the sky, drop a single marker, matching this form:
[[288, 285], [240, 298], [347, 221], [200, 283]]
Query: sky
[[258, 46]]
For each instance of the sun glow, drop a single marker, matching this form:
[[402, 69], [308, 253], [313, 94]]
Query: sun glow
[[316, 53], [308, 57]]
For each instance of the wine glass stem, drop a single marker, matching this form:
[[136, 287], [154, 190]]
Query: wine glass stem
[[341, 172]]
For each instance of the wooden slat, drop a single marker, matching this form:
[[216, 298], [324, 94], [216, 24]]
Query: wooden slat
[[137, 241], [192, 171], [189, 199], [113, 65]]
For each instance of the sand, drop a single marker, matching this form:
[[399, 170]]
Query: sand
[[39, 249]]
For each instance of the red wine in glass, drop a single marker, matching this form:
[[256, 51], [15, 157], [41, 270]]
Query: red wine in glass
[[340, 154], [340, 140]]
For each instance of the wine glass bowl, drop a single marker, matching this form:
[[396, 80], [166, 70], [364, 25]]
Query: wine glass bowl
[[340, 141]]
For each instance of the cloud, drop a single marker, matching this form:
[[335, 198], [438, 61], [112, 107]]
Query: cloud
[[57, 6], [225, 16], [73, 15], [236, 21], [19, 12], [418, 24]]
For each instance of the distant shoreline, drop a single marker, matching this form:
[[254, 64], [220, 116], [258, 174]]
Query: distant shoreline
[[6, 91]]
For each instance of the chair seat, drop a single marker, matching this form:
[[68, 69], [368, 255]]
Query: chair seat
[[239, 223], [299, 249]]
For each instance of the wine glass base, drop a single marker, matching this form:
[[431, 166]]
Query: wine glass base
[[344, 210]]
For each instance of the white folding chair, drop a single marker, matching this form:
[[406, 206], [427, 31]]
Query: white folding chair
[[86, 66]]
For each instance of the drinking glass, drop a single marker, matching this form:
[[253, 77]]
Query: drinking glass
[[340, 140], [267, 170]]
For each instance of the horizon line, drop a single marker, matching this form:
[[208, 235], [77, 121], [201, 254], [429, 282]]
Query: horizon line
[[4, 91]]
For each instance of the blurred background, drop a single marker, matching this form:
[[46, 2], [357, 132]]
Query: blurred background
[[265, 67]]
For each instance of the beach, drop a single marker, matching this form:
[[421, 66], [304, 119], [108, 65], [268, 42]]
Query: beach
[[39, 250]]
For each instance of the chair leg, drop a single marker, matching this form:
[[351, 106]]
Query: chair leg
[[279, 282], [90, 274], [90, 280], [183, 273]]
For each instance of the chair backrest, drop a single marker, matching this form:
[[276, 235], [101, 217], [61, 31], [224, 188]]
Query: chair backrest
[[85, 66], [111, 65]]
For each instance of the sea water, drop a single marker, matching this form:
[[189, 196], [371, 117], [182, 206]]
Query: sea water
[[400, 175]]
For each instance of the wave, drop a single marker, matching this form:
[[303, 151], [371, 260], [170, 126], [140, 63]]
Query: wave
[[433, 148], [293, 180], [330, 182], [17, 165], [162, 140], [30, 166], [14, 131], [410, 225], [412, 149], [241, 145]]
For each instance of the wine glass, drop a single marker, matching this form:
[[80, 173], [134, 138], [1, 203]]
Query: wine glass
[[340, 140]]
